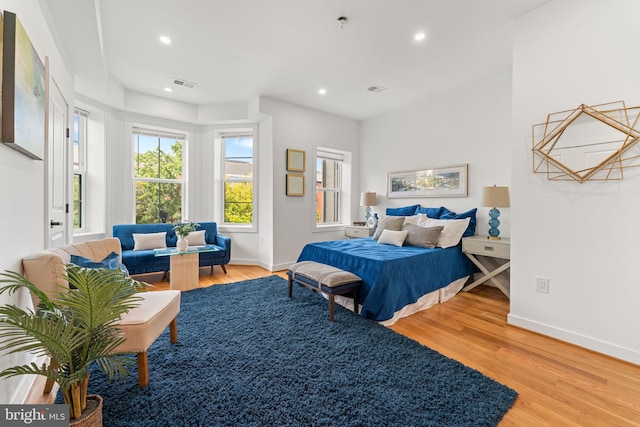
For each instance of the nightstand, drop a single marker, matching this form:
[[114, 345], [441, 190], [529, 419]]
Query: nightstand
[[357, 231], [492, 257]]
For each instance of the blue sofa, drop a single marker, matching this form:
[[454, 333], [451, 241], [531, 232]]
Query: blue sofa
[[139, 262]]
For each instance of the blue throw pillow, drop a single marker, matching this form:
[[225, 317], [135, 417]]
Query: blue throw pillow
[[110, 262], [403, 211], [430, 212], [471, 214]]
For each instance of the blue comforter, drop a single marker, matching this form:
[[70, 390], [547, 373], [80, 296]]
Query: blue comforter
[[392, 276]]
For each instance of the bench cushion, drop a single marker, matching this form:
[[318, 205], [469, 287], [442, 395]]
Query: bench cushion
[[323, 274], [143, 324]]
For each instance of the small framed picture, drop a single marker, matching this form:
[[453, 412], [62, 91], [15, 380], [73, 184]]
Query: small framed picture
[[295, 184], [295, 160]]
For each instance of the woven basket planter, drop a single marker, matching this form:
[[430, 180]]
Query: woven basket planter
[[92, 416]]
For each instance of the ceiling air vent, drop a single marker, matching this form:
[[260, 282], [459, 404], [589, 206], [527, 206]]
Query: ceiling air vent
[[185, 83], [376, 88]]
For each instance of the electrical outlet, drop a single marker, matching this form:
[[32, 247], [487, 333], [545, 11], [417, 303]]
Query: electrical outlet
[[542, 284]]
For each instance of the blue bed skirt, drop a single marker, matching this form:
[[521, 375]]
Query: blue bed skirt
[[392, 276]]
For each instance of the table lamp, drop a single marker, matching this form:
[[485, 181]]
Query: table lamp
[[368, 199], [495, 197]]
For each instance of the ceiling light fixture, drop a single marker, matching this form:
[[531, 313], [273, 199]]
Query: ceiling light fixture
[[419, 37], [322, 91], [342, 21], [165, 39], [168, 89]]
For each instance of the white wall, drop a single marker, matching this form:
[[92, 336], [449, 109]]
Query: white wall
[[468, 125], [302, 129], [583, 237], [23, 189]]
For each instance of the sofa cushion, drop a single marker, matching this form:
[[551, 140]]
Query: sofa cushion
[[110, 262], [143, 241], [196, 238]]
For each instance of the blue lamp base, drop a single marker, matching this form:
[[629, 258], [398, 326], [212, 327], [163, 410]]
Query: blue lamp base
[[367, 213], [494, 232]]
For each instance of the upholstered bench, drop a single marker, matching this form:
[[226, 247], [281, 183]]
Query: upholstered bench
[[325, 279]]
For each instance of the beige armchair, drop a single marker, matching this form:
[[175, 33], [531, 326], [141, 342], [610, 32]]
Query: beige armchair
[[141, 326]]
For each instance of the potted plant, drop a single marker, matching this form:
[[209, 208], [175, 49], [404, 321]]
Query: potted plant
[[182, 231], [75, 329]]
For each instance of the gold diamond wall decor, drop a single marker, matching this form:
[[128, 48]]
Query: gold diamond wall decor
[[587, 143]]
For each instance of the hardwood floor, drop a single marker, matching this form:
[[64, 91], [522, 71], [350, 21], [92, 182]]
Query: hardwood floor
[[559, 384]]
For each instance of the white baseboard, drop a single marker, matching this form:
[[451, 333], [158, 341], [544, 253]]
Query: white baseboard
[[270, 267], [590, 343]]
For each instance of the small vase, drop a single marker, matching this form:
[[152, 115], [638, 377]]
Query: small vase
[[182, 244]]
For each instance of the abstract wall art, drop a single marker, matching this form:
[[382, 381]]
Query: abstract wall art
[[23, 91]]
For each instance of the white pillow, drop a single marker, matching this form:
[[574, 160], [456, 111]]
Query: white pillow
[[196, 238], [144, 241], [452, 232], [413, 220], [392, 237]]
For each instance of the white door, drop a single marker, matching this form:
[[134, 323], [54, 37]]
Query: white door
[[58, 169]]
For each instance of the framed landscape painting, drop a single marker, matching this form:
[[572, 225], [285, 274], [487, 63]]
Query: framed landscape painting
[[441, 182], [23, 91]]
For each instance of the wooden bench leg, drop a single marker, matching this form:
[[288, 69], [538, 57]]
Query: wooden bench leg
[[355, 301], [173, 330], [332, 299], [143, 369]]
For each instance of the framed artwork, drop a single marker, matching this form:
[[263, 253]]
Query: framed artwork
[[23, 91], [295, 184], [295, 160], [441, 182]]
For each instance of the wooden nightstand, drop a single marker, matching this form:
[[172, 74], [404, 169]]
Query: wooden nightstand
[[357, 231], [495, 256]]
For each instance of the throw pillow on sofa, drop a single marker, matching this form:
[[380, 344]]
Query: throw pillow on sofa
[[110, 262], [143, 241], [196, 238]]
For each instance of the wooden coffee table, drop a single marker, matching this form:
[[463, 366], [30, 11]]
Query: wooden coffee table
[[184, 274]]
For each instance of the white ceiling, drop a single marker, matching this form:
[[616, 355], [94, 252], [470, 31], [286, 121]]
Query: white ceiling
[[236, 50]]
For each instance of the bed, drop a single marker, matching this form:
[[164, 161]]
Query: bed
[[397, 281]]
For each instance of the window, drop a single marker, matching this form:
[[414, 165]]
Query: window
[[329, 168], [238, 173], [79, 168], [158, 175]]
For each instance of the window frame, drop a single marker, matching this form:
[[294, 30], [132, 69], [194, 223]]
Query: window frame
[[81, 170], [220, 135], [345, 179], [179, 135]]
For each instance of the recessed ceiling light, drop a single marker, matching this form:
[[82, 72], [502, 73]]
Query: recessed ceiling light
[[168, 89], [419, 36], [322, 91], [165, 39]]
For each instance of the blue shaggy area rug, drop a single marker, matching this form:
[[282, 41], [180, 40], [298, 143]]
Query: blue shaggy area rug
[[247, 355]]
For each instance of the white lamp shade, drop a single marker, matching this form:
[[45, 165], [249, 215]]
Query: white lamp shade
[[368, 199], [495, 197]]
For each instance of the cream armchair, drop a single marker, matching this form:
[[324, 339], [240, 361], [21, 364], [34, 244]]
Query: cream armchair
[[141, 326]]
